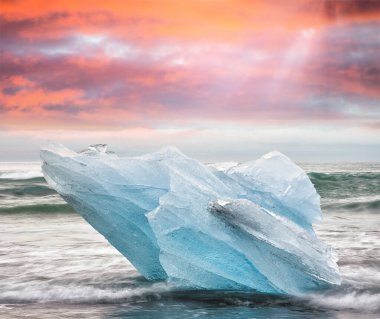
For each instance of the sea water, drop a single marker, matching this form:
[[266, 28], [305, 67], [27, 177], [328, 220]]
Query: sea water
[[54, 265]]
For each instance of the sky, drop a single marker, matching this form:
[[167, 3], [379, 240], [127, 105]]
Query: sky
[[221, 80]]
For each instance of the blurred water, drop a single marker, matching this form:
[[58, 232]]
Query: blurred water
[[54, 265]]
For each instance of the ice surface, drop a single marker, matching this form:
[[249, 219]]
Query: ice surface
[[276, 183], [239, 227]]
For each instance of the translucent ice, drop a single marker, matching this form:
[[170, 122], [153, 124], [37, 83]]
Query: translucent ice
[[238, 227], [276, 183]]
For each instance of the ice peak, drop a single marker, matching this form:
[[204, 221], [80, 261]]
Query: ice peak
[[171, 150], [166, 153], [274, 154], [94, 149]]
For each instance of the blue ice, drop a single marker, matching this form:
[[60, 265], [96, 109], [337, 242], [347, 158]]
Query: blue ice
[[236, 227]]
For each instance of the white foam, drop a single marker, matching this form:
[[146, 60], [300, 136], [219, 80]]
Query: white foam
[[45, 293], [20, 171], [363, 302], [21, 175]]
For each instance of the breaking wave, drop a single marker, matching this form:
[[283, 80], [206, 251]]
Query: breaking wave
[[80, 294], [356, 301], [346, 185]]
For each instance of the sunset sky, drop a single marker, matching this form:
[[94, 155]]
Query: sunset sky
[[222, 80]]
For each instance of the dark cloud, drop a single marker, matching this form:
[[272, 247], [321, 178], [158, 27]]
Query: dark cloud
[[347, 59], [65, 108], [11, 90], [338, 8], [12, 28]]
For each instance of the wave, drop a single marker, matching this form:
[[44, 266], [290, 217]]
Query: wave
[[21, 175], [357, 301], [357, 204], [36, 190], [78, 294], [37, 179], [343, 176], [37, 209], [346, 185], [351, 301]]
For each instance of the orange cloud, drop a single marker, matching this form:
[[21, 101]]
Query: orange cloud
[[209, 20]]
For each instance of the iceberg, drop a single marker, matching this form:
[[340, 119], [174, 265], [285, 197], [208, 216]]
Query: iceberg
[[245, 227]]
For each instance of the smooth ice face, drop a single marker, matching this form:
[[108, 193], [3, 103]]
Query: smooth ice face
[[113, 202], [276, 183], [238, 227], [289, 256]]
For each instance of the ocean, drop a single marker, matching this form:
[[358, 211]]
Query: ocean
[[54, 265]]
